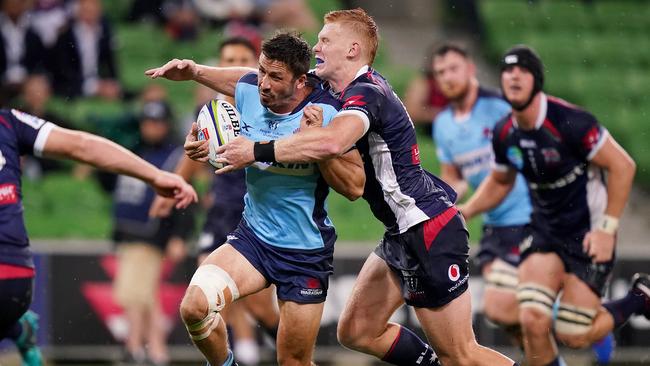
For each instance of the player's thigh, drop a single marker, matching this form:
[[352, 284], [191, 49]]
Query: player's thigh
[[375, 296], [262, 305], [545, 269], [245, 276], [14, 302], [298, 329], [449, 327]]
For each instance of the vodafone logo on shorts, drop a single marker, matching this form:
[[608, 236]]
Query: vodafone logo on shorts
[[454, 272]]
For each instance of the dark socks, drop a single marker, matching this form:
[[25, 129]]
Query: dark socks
[[623, 308], [408, 349]]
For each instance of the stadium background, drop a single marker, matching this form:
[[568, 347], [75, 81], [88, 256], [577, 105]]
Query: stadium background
[[596, 54]]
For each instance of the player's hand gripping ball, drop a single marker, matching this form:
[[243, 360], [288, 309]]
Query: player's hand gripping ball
[[218, 122]]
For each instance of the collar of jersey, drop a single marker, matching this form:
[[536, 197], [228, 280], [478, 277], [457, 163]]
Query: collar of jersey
[[540, 117], [364, 69]]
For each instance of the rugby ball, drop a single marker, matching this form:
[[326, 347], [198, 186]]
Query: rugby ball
[[218, 122]]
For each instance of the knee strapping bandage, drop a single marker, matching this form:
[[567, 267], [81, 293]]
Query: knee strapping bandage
[[502, 276], [532, 295], [574, 320], [212, 281]]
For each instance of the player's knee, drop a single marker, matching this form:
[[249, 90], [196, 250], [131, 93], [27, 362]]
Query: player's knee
[[351, 336], [295, 358], [194, 306], [535, 323], [573, 325]]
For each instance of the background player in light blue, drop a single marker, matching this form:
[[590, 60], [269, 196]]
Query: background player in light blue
[[285, 237], [462, 133]]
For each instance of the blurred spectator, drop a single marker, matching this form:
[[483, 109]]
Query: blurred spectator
[[83, 59], [34, 100], [22, 51], [48, 17], [423, 99], [142, 242], [276, 13], [147, 10], [182, 20]]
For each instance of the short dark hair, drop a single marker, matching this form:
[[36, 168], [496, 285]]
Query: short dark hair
[[291, 49], [238, 41], [447, 47]]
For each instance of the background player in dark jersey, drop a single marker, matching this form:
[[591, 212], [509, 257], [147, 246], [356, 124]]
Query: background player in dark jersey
[[562, 151], [285, 237], [22, 134], [225, 205], [463, 140], [423, 257]]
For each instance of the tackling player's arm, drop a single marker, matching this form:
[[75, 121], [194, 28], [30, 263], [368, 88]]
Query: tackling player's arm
[[107, 155], [221, 79], [494, 189], [452, 176], [599, 242], [345, 174]]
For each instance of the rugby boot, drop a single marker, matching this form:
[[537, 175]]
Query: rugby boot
[[641, 287], [26, 343]]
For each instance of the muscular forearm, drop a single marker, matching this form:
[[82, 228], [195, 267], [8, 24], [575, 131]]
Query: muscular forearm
[[345, 174], [310, 145], [187, 167], [487, 196], [107, 155], [221, 79], [619, 184]]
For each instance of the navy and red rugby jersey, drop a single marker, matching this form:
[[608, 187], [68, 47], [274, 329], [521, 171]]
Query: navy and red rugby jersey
[[20, 134], [568, 194], [400, 193]]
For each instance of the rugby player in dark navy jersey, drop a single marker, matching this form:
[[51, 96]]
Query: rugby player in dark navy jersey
[[423, 257], [563, 152], [22, 134]]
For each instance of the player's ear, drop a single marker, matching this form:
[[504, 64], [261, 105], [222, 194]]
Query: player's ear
[[354, 51], [301, 82]]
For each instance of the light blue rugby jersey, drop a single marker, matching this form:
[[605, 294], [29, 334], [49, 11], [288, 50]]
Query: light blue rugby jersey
[[467, 144], [285, 205]]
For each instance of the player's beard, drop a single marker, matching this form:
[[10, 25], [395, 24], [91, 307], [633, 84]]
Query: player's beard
[[459, 95]]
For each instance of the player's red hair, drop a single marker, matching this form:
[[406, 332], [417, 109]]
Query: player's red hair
[[362, 24]]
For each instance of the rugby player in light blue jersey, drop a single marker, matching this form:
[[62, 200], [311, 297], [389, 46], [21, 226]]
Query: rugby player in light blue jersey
[[463, 136], [285, 237]]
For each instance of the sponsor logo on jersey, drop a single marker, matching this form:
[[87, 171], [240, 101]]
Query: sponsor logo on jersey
[[246, 127], [515, 157], [8, 194], [273, 125], [567, 179], [590, 140], [32, 121], [355, 100], [415, 154], [528, 144], [551, 155]]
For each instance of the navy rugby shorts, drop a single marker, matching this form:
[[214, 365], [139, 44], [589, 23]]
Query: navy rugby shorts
[[569, 248], [501, 242], [431, 259], [301, 276], [216, 229]]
